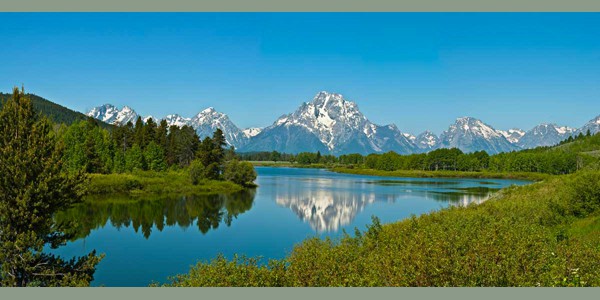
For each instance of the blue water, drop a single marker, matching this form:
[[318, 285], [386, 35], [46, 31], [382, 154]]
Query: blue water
[[149, 240]]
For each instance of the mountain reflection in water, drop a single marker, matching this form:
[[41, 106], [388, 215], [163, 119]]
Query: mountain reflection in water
[[327, 210]]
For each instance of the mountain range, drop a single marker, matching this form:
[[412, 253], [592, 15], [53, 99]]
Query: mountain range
[[331, 124]]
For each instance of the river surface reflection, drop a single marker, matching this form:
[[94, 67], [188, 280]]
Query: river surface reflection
[[147, 240]]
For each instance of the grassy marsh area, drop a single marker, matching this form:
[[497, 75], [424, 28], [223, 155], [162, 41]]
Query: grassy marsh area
[[146, 183], [444, 174]]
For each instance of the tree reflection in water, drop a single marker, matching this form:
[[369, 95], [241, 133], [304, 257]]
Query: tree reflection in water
[[207, 212]]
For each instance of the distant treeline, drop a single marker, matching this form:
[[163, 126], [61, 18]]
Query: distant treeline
[[567, 157]]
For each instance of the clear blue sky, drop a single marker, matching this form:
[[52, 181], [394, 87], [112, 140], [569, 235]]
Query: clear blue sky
[[419, 71]]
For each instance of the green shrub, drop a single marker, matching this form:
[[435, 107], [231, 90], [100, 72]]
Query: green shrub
[[242, 173], [197, 171], [212, 171], [585, 193], [132, 184]]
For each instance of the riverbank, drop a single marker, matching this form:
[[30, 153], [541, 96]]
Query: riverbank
[[542, 234], [148, 183], [444, 174], [287, 164]]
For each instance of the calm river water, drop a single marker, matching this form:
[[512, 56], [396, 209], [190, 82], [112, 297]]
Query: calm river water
[[148, 240]]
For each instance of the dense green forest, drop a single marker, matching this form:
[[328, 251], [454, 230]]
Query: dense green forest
[[151, 147], [567, 157]]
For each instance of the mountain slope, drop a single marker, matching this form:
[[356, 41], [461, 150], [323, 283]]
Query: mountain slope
[[112, 115], [544, 135], [427, 141], [513, 135], [207, 121], [593, 126], [470, 134], [331, 124], [55, 112]]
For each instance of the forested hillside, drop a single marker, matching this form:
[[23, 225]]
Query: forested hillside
[[56, 113]]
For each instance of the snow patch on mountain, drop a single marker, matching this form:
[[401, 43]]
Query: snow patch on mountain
[[253, 131], [512, 135]]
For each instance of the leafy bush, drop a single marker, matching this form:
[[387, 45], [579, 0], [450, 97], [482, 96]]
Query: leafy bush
[[242, 173], [585, 193], [212, 171], [197, 171]]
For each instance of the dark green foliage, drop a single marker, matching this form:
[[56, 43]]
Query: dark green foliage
[[266, 156], [351, 159], [186, 143], [242, 173], [134, 158], [154, 157], [138, 133], [34, 186], [585, 193], [219, 145], [307, 158], [196, 170], [87, 147], [212, 171], [119, 162]]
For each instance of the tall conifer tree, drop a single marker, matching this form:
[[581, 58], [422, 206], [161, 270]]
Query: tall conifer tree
[[33, 187]]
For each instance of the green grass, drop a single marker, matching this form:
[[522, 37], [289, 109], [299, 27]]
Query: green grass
[[542, 234], [586, 228], [444, 174], [148, 183]]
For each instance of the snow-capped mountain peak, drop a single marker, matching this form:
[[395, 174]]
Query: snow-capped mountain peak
[[253, 131], [177, 120], [476, 127], [112, 115], [592, 125], [332, 124], [513, 135], [329, 116], [470, 134], [427, 140], [545, 134]]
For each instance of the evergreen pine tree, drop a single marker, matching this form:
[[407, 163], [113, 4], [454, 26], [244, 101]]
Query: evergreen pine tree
[[154, 157], [134, 158], [139, 132], [161, 135], [219, 146], [33, 187]]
